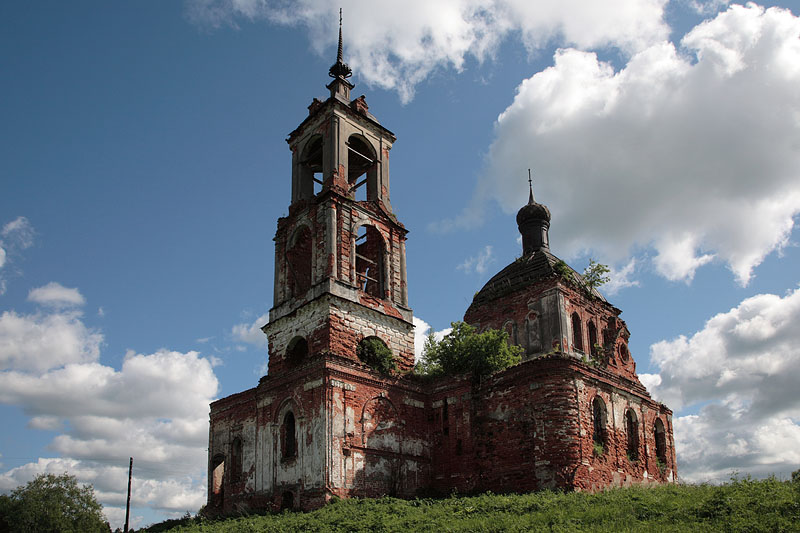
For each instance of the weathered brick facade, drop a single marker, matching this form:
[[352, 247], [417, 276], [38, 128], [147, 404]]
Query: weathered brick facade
[[573, 415]]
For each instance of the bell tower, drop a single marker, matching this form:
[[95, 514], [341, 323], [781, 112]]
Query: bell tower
[[340, 268]]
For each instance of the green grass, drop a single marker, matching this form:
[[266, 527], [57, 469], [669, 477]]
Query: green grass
[[743, 505]]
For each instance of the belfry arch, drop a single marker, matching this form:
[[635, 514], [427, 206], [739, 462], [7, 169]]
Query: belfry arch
[[362, 169], [369, 250], [310, 167]]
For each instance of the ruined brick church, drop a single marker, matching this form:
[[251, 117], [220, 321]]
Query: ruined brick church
[[572, 415]]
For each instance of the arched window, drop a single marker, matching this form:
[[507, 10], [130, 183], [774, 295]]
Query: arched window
[[362, 169], [623, 353], [311, 168], [577, 332], [297, 351], [217, 477], [236, 459], [373, 352], [632, 430], [288, 437], [593, 346], [508, 327], [661, 442], [599, 422], [298, 258], [369, 261]]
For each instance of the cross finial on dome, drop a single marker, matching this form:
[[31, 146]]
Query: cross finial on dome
[[340, 68], [530, 186]]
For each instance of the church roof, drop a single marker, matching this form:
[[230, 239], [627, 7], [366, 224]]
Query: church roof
[[526, 271]]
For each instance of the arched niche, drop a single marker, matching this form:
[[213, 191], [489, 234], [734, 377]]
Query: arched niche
[[380, 425], [299, 261]]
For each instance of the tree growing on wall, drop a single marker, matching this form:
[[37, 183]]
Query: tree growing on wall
[[464, 350], [374, 352], [595, 275], [51, 503]]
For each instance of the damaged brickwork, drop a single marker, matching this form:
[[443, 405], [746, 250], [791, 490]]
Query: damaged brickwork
[[321, 424]]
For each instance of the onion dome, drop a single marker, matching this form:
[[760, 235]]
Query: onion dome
[[533, 221]]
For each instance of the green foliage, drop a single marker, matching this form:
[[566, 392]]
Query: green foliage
[[598, 449], [373, 352], [51, 503], [739, 506], [464, 350], [563, 270], [595, 275]]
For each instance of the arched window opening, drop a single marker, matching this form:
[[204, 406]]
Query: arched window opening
[[632, 429], [311, 167], [297, 351], [217, 476], [369, 261], [594, 348], [362, 169], [623, 353], [288, 437], [577, 332], [236, 459], [661, 442], [287, 501], [298, 258], [599, 424], [374, 353]]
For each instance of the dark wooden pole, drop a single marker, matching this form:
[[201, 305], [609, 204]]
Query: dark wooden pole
[[128, 505]]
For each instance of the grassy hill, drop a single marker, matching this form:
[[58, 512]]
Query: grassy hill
[[742, 505]]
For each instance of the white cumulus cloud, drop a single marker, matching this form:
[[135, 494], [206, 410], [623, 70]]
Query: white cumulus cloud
[[421, 331], [41, 341], [56, 295], [444, 34], [15, 236], [154, 408], [691, 152], [250, 332], [743, 368]]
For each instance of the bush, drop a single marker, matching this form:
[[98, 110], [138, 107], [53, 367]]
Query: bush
[[374, 352], [464, 350], [52, 503]]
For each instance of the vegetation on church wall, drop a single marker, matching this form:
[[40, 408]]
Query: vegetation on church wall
[[742, 505], [373, 352], [595, 275], [464, 350]]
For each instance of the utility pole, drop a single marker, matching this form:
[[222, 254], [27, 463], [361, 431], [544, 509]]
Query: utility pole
[[128, 505]]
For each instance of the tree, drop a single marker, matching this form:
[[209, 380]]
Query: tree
[[595, 275], [52, 504], [374, 352], [464, 350]]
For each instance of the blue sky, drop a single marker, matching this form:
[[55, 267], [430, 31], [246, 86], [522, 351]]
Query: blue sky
[[144, 168]]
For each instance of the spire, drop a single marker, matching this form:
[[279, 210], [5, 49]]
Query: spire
[[340, 69], [530, 186]]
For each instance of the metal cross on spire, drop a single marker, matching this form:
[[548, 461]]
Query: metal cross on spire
[[530, 186], [340, 68]]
